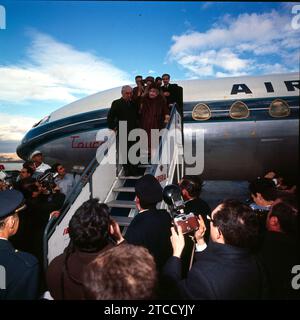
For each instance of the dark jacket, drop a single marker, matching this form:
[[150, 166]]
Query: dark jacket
[[176, 95], [220, 272], [67, 284], [199, 207], [21, 273], [152, 230], [33, 221], [278, 254], [122, 111]]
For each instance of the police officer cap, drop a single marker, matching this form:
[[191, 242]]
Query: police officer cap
[[10, 200], [148, 189]]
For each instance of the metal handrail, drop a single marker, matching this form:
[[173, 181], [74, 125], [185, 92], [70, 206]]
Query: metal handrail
[[159, 150], [69, 201]]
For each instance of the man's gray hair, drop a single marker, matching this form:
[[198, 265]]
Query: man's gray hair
[[125, 88]]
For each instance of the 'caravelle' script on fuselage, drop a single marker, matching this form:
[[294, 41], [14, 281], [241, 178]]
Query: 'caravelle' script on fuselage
[[77, 144]]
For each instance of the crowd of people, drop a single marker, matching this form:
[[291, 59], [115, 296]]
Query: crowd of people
[[146, 106], [42, 190], [241, 250]]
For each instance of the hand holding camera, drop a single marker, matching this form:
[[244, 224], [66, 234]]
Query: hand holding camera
[[46, 180], [187, 222], [177, 240], [199, 234]]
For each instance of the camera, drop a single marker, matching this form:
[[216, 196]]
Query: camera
[[172, 196], [46, 180], [187, 222]]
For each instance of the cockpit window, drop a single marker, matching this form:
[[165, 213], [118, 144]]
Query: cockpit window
[[201, 112], [44, 120], [239, 110], [279, 108]]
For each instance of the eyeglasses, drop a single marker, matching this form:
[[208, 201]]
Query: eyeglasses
[[213, 221]]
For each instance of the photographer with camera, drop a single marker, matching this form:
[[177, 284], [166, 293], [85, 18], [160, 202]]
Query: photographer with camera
[[41, 202], [225, 268], [191, 187], [25, 176], [186, 219], [49, 191]]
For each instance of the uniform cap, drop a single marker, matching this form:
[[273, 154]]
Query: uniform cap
[[10, 200]]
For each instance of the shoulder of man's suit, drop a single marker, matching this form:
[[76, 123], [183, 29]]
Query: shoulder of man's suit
[[28, 259]]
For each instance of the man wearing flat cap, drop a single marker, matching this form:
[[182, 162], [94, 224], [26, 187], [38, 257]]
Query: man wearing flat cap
[[150, 228], [40, 166], [19, 271]]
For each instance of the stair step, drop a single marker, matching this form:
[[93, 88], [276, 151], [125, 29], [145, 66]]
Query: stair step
[[124, 189], [130, 177], [121, 204], [144, 165]]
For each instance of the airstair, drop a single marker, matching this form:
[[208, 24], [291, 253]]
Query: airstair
[[105, 180]]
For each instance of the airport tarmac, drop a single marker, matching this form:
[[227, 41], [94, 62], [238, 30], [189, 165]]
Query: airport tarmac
[[215, 191]]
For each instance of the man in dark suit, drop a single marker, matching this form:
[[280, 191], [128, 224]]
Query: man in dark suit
[[191, 187], [19, 271], [173, 93], [150, 228], [280, 252], [124, 109], [138, 91], [224, 269]]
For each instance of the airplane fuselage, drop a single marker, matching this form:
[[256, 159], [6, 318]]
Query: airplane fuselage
[[250, 125]]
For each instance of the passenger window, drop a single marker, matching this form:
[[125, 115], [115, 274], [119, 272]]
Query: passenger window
[[239, 110], [201, 112], [279, 108]]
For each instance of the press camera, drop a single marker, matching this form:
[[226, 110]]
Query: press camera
[[187, 222], [46, 180]]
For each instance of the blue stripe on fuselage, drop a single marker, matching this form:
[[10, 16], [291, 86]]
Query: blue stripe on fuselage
[[95, 120]]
